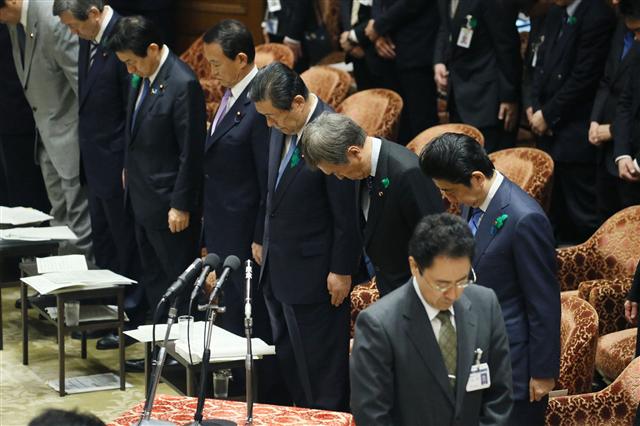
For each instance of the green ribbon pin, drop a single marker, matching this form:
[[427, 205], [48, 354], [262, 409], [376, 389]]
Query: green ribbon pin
[[385, 182], [295, 158], [135, 80], [571, 20], [499, 223]]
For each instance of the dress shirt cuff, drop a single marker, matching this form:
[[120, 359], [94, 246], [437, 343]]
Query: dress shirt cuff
[[621, 157], [290, 40], [353, 37]]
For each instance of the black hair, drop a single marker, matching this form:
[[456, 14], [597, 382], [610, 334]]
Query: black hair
[[78, 8], [233, 37], [440, 234], [279, 84], [53, 417], [454, 157], [134, 33]]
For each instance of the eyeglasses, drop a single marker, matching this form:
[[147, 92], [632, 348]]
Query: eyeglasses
[[459, 285]]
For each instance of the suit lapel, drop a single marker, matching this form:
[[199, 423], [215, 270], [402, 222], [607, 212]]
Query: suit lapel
[[156, 91], [231, 118], [30, 38], [466, 332], [485, 232], [378, 197], [133, 96], [420, 333]]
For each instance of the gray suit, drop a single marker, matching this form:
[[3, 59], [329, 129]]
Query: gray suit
[[50, 82], [398, 376]]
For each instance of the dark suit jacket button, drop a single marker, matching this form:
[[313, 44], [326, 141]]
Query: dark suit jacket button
[[206, 176], [34, 109], [272, 215], [559, 76]]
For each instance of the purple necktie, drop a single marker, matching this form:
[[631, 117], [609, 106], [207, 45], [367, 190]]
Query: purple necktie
[[222, 110]]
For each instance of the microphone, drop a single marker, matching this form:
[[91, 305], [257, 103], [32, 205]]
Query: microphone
[[231, 263], [248, 274], [184, 279], [210, 262]]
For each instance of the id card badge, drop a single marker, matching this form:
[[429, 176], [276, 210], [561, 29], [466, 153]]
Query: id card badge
[[479, 377], [466, 33], [274, 5]]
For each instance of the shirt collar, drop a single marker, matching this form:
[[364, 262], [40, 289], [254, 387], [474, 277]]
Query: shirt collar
[[237, 90], [376, 144], [431, 311], [24, 12], [571, 9], [107, 14], [164, 54], [492, 191], [313, 101]]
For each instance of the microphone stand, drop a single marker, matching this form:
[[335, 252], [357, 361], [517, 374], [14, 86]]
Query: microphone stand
[[248, 325], [146, 420], [212, 311]]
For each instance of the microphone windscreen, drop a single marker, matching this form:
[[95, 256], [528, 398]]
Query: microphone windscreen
[[212, 260], [232, 262]]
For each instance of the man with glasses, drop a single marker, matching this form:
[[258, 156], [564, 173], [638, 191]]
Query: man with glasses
[[514, 256], [434, 351]]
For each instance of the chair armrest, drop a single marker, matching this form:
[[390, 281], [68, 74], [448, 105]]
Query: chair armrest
[[608, 301], [575, 265]]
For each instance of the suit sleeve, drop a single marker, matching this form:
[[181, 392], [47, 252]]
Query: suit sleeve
[[591, 54], [634, 292], [442, 37], [65, 52], [623, 123], [189, 123], [346, 245], [302, 9], [497, 401], [371, 373], [603, 92], [398, 14], [534, 251], [419, 197], [500, 21], [260, 147]]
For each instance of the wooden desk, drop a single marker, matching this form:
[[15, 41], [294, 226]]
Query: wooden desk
[[180, 410], [28, 269]]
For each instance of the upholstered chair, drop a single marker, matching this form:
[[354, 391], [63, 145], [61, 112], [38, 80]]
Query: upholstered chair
[[362, 296], [611, 252], [615, 352], [531, 169], [607, 298], [194, 57], [613, 406], [330, 84], [272, 52], [578, 339], [377, 111], [419, 142]]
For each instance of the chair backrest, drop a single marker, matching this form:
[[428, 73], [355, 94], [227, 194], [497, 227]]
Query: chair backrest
[[377, 111], [578, 340], [530, 168], [361, 297], [618, 241], [330, 84], [273, 52], [194, 57], [419, 142]]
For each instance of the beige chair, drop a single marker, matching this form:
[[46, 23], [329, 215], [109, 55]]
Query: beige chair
[[614, 352], [273, 52], [418, 143], [330, 84], [377, 111]]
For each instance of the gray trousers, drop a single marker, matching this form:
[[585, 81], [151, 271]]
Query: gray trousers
[[69, 206]]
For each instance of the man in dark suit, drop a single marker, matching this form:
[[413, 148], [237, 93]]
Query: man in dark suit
[[20, 177], [514, 256], [354, 16], [420, 352], [234, 199], [103, 87], [165, 131], [392, 193], [612, 191], [287, 21], [404, 32], [310, 248], [477, 64], [626, 147], [569, 66]]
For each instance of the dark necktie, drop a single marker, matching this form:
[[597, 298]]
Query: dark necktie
[[93, 49], [474, 219], [143, 95], [628, 42], [21, 41], [565, 22], [448, 344]]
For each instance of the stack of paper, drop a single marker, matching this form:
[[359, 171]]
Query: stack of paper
[[96, 382], [72, 262], [38, 234], [90, 313], [75, 280], [21, 215]]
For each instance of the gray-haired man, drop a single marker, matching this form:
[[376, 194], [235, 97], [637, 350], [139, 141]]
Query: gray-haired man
[[392, 193]]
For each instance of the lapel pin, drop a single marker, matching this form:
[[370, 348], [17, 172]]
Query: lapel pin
[[162, 87], [380, 194], [154, 91], [31, 35]]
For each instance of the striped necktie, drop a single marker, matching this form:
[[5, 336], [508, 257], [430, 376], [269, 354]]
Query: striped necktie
[[448, 344], [474, 219]]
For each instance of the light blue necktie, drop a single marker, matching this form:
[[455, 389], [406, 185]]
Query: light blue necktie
[[287, 158], [474, 220]]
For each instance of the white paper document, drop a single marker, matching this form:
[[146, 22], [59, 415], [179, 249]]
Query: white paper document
[[38, 234], [95, 382], [56, 282], [72, 262], [91, 313], [21, 215]]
